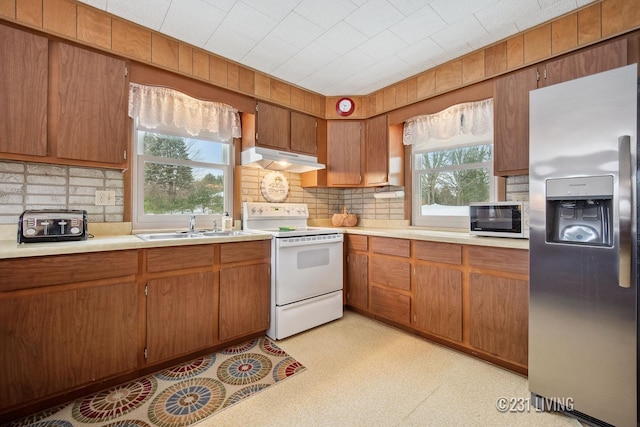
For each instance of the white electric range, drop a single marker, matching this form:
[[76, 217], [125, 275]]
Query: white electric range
[[306, 267]]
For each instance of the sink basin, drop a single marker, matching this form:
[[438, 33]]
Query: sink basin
[[189, 235]]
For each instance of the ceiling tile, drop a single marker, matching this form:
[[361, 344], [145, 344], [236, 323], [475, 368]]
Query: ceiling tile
[[419, 25], [296, 30], [342, 38], [249, 22], [555, 8], [507, 11], [374, 17], [455, 11], [225, 5], [230, 44], [459, 33], [193, 21], [382, 45], [297, 68], [149, 13], [326, 13], [409, 7], [421, 52], [276, 9], [269, 54], [99, 4]]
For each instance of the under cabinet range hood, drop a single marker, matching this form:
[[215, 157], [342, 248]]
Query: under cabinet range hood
[[267, 158]]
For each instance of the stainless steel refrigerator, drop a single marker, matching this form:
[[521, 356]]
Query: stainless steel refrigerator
[[583, 299]]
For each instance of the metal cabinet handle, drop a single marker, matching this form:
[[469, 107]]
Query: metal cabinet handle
[[625, 199]]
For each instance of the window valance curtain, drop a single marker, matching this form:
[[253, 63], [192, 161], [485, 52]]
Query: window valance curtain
[[159, 106], [457, 125]]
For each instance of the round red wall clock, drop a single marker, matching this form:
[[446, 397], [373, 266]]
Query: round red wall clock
[[345, 106]]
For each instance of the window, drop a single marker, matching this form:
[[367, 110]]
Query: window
[[183, 164], [178, 176], [452, 155]]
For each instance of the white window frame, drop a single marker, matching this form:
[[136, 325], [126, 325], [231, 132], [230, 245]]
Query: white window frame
[[141, 221], [456, 221]]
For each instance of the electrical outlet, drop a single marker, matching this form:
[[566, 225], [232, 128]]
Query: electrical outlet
[[105, 198]]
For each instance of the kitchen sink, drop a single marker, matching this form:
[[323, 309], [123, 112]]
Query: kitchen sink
[[189, 235]]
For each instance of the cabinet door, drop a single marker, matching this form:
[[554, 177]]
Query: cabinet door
[[303, 133], [438, 301], [55, 340], [357, 283], [180, 315], [344, 155], [511, 122], [391, 305], [499, 317], [23, 92], [376, 155], [88, 105], [244, 300], [590, 61], [273, 126]]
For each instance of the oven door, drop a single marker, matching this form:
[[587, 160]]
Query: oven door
[[307, 266]]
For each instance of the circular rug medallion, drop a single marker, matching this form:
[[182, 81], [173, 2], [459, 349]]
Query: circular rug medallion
[[31, 419], [187, 370], [243, 393], [52, 423], [285, 368], [244, 369], [269, 347], [240, 348], [186, 402], [129, 423], [115, 402]]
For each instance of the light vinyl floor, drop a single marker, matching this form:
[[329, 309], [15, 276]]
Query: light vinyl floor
[[361, 372]]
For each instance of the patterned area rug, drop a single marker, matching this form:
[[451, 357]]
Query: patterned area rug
[[180, 396]]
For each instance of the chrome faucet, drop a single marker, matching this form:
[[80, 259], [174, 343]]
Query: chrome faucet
[[215, 226], [192, 224]]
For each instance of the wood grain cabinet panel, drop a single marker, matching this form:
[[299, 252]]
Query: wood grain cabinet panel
[[449, 253], [344, 153], [511, 122], [273, 126], [256, 250], [89, 105], [499, 259], [355, 242], [438, 301], [390, 246], [180, 315], [390, 305], [390, 272], [303, 133], [23, 92], [499, 316], [175, 258], [357, 282], [58, 339], [376, 154], [244, 300]]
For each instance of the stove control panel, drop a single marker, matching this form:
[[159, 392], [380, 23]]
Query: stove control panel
[[275, 210]]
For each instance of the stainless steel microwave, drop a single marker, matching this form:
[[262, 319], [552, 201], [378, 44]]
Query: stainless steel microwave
[[499, 219]]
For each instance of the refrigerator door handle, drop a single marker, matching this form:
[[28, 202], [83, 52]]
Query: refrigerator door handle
[[624, 211]]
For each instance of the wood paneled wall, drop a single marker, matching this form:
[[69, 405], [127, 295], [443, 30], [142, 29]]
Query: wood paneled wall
[[93, 27]]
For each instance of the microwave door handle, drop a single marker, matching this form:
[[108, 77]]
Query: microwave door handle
[[625, 199]]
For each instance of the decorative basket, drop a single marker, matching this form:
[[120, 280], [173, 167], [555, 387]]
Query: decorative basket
[[344, 219]]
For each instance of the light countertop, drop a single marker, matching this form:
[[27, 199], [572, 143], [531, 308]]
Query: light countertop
[[111, 237]]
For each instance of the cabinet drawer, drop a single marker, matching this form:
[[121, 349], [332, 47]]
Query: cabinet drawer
[[179, 257], [245, 251], [357, 243], [390, 272], [397, 247], [502, 259], [390, 305], [33, 272], [449, 253]]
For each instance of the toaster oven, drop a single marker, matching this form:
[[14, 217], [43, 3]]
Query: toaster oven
[[52, 225]]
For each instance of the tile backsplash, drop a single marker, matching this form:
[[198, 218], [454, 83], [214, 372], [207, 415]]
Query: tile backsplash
[[42, 186]]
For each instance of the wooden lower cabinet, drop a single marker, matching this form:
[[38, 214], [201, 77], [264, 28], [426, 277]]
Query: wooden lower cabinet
[[499, 316], [438, 301], [181, 314], [245, 293], [56, 338], [357, 280], [471, 298]]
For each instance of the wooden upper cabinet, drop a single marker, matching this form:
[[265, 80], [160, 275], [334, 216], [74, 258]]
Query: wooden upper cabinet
[[586, 62], [376, 153], [285, 130], [511, 122], [303, 133], [88, 105], [23, 92], [273, 126], [344, 153]]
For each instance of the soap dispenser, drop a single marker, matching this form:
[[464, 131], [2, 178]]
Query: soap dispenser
[[227, 222]]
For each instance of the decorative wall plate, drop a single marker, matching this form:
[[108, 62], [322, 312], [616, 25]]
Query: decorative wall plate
[[274, 187]]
